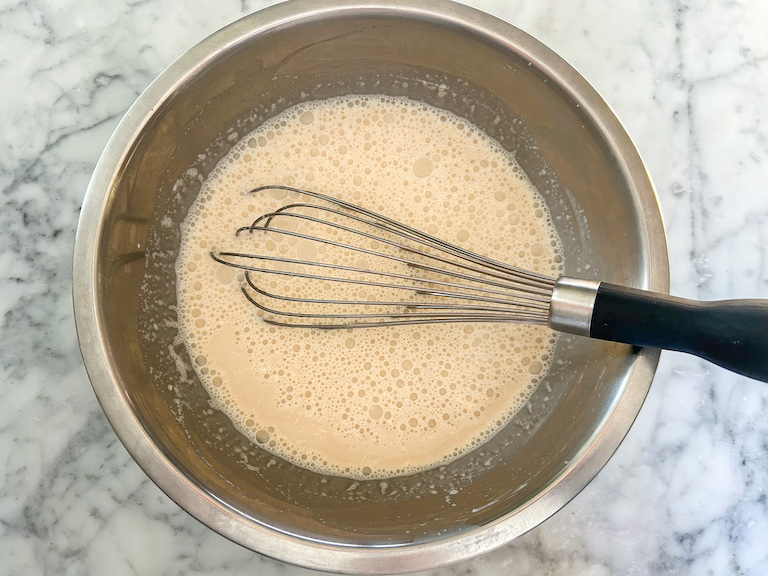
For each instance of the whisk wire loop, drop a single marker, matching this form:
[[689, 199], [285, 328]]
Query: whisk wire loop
[[449, 283]]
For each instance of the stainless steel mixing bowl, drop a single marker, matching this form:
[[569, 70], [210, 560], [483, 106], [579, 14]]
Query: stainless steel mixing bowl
[[564, 136]]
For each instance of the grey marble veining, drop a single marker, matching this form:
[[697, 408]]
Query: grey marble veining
[[686, 491]]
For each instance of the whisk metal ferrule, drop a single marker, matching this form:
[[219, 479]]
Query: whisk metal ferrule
[[572, 305]]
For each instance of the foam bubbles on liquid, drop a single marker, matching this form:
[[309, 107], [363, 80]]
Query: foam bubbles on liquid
[[378, 402]]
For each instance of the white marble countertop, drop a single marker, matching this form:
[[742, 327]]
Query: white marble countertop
[[686, 491]]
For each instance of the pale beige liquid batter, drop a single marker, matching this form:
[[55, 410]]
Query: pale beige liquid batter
[[377, 402]]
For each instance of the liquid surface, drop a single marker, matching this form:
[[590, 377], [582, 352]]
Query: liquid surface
[[378, 402]]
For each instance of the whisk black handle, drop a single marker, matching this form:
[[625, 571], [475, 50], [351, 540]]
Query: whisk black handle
[[730, 333]]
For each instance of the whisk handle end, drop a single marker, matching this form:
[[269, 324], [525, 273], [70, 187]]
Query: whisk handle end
[[730, 333]]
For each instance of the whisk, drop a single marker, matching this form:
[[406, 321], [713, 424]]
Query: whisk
[[444, 283]]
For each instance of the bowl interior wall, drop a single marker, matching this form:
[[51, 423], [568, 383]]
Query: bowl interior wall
[[555, 143]]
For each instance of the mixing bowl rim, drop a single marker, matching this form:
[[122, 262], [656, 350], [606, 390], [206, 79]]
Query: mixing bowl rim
[[214, 513]]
